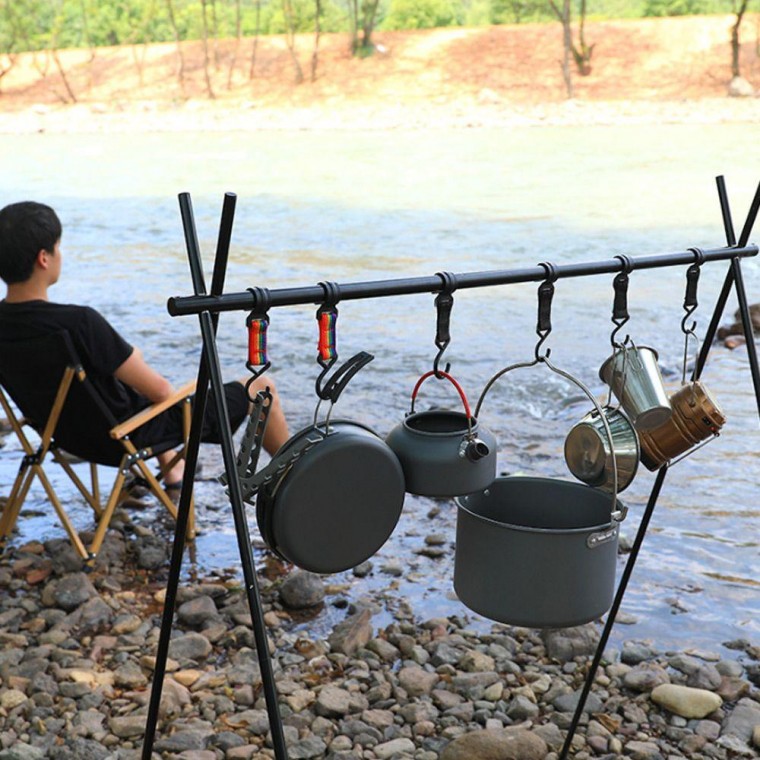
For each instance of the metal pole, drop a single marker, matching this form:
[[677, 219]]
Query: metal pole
[[191, 454], [246, 301], [627, 571]]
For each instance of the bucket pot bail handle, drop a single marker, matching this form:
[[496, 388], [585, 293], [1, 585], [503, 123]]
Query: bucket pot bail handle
[[444, 302], [690, 304], [544, 320], [257, 324], [618, 511], [620, 303]]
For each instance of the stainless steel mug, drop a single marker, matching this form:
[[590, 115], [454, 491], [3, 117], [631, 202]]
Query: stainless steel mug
[[634, 376], [588, 454]]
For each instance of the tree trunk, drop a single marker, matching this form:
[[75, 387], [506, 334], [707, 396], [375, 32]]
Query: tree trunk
[[175, 30], [238, 37], [317, 32], [206, 71], [735, 44], [564, 16], [255, 39], [290, 38]]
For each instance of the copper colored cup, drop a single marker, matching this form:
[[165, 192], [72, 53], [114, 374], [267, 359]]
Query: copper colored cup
[[696, 417]]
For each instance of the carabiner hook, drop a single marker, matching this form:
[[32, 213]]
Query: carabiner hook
[[544, 321], [620, 305], [444, 302]]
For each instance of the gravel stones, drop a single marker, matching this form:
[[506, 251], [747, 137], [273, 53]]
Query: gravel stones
[[496, 745], [302, 589]]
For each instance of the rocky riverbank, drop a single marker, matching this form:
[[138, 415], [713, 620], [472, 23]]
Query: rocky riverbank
[[78, 650]]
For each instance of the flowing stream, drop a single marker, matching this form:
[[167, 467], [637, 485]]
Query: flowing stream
[[357, 206]]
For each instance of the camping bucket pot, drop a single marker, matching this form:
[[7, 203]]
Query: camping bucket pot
[[634, 376], [443, 452], [539, 552], [588, 455], [536, 552], [696, 417]]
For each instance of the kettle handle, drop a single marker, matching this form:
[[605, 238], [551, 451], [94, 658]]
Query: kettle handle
[[456, 385], [618, 511]]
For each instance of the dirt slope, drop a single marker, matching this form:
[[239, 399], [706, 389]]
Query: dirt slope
[[655, 59]]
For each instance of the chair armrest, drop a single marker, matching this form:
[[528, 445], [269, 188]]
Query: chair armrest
[[139, 419]]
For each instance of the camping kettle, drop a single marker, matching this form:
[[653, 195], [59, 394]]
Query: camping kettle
[[443, 452]]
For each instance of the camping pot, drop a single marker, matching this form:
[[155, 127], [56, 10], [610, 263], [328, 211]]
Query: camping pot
[[696, 417], [539, 552], [588, 454], [634, 376], [536, 552], [443, 452]]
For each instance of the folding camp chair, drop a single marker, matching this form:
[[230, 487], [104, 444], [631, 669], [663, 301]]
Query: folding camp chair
[[48, 384]]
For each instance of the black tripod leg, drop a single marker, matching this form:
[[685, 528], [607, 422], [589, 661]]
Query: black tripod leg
[[749, 333], [191, 452], [244, 542], [627, 571]]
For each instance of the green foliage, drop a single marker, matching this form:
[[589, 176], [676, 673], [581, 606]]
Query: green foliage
[[39, 24], [671, 7], [423, 14]]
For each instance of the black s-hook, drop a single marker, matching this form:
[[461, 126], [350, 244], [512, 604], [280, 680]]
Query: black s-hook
[[620, 305], [444, 302], [544, 321], [690, 298]]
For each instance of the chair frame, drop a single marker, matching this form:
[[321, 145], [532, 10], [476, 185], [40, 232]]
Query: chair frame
[[133, 460]]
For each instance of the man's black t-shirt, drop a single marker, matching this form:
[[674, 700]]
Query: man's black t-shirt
[[100, 348]]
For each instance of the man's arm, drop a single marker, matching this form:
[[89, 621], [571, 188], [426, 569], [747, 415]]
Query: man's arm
[[138, 374]]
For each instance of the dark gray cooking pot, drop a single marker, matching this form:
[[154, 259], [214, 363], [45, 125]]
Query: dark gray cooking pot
[[539, 552], [443, 452], [536, 552]]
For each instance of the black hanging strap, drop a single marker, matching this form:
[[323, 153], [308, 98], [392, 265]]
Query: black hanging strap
[[545, 295], [620, 303], [444, 302]]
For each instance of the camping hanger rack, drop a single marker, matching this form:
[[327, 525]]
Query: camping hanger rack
[[207, 306]]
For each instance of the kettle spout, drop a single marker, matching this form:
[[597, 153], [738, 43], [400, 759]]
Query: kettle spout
[[476, 449]]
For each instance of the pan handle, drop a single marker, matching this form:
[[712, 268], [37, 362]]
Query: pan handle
[[617, 511], [341, 377]]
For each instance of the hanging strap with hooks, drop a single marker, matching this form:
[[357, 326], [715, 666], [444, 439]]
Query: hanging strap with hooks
[[444, 302], [692, 280], [257, 323], [620, 304], [544, 321]]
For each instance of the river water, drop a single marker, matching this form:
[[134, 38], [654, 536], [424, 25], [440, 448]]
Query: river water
[[356, 206]]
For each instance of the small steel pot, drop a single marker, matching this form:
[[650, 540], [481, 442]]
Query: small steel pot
[[443, 452], [634, 376], [696, 417], [588, 454]]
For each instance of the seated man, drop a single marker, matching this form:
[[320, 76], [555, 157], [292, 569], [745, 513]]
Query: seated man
[[30, 262]]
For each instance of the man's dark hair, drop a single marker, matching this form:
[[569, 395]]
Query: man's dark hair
[[26, 228]]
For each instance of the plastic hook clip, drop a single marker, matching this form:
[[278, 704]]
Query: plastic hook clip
[[257, 324], [327, 318], [544, 321], [444, 302], [690, 297]]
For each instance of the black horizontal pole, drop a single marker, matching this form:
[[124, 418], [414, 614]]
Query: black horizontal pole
[[247, 300]]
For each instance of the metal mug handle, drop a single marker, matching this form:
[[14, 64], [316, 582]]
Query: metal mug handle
[[617, 512]]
